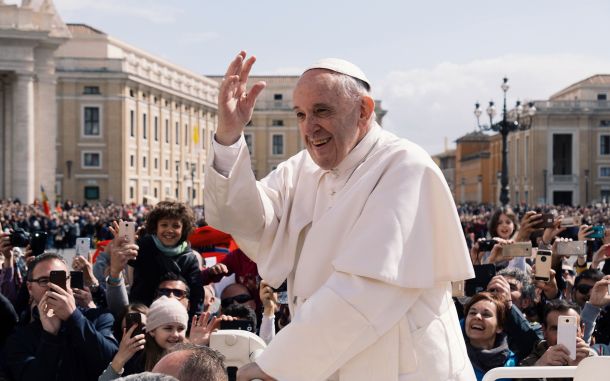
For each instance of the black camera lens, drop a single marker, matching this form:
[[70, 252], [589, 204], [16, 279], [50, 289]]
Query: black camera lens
[[543, 259]]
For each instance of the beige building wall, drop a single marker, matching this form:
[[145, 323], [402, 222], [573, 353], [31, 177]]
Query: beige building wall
[[133, 126]]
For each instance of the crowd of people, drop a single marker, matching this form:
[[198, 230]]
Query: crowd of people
[[144, 305], [511, 313], [169, 286]]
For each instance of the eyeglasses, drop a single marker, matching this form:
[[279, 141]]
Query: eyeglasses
[[584, 288], [43, 281], [239, 299], [513, 287], [569, 272], [177, 293]]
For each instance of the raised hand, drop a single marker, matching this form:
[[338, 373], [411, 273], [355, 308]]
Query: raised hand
[[235, 102], [202, 327]]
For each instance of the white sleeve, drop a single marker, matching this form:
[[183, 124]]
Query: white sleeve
[[267, 331], [225, 156]]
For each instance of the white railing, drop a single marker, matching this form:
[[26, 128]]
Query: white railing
[[530, 372]]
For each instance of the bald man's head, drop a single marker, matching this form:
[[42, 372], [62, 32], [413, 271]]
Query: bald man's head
[[191, 362]]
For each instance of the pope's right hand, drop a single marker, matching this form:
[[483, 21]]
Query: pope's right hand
[[235, 102]]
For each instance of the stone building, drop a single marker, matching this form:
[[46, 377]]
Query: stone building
[[29, 37], [132, 124]]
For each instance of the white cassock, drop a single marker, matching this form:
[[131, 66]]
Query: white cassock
[[369, 250]]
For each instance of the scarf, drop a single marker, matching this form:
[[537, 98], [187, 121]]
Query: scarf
[[170, 251], [486, 359]]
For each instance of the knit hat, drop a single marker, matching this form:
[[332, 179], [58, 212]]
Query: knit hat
[[165, 311], [341, 66]]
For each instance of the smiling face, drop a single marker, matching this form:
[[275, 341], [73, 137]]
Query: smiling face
[[331, 123], [482, 324], [169, 231], [168, 335], [505, 228]]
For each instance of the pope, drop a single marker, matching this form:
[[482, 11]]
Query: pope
[[362, 225]]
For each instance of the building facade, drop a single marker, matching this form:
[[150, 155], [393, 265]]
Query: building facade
[[564, 158], [133, 126], [29, 37]]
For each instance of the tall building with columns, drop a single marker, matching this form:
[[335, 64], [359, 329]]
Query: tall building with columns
[[133, 126], [29, 37]]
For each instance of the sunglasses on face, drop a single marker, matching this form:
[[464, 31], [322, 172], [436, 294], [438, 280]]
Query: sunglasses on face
[[569, 272], [239, 299], [178, 294], [583, 288]]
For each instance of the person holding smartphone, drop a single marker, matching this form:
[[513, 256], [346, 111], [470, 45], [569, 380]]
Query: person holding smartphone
[[548, 352], [61, 340]]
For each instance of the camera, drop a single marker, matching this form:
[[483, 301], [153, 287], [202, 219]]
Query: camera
[[487, 245], [20, 238], [543, 259]]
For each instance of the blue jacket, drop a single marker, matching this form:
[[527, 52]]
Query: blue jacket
[[81, 350]]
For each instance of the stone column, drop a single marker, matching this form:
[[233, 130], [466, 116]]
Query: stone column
[[22, 176], [2, 135]]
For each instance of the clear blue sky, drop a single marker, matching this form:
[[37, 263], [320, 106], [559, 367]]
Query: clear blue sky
[[429, 61]]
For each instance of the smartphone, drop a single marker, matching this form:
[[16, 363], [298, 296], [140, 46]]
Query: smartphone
[[134, 318], [543, 265], [242, 325], [58, 278], [566, 333], [82, 246], [487, 245], [38, 243], [127, 229], [76, 280], [572, 247], [482, 277], [598, 232], [567, 222], [548, 221], [457, 289], [517, 249]]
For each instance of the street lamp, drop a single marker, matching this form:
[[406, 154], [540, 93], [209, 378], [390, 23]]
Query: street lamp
[[523, 121]]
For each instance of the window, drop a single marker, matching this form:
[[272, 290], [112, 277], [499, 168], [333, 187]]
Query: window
[[91, 90], [177, 140], [92, 193], [130, 192], [604, 144], [131, 94], [167, 167], [156, 132], [166, 130], [604, 171], [156, 163], [277, 145], [132, 161], [144, 126], [186, 135], [562, 154], [605, 195], [248, 138], [92, 160], [277, 122], [132, 123], [92, 121], [602, 97], [277, 97], [604, 123], [155, 193], [143, 161]]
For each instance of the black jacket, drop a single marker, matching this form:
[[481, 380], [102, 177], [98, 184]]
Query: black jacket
[[81, 350], [151, 264]]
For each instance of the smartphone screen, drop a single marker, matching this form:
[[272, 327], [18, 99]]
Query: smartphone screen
[[38, 243], [566, 333], [58, 278], [76, 280], [127, 229], [134, 318], [82, 246], [237, 324]]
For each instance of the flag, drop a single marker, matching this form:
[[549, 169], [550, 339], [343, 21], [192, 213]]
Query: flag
[[196, 135], [45, 202]]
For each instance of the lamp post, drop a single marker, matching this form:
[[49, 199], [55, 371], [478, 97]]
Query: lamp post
[[523, 122]]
